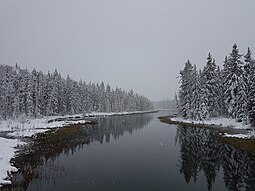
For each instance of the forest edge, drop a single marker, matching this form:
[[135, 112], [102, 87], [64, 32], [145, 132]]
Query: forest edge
[[247, 144]]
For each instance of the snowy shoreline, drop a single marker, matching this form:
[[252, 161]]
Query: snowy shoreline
[[15, 130], [219, 123]]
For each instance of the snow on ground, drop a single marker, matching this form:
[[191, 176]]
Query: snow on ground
[[7, 152], [28, 127], [248, 135], [223, 122], [218, 121], [23, 127]]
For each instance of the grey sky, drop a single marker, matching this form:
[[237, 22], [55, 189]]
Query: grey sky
[[135, 44]]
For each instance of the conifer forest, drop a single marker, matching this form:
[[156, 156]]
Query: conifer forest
[[214, 91], [34, 94]]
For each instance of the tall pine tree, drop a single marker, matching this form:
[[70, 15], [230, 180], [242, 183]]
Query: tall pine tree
[[234, 85], [211, 86], [249, 77], [185, 91]]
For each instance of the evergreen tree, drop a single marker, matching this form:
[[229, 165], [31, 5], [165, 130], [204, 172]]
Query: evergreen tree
[[8, 90], [196, 96], [108, 99], [249, 69], [34, 93], [211, 86], [89, 98], [203, 108], [222, 108], [185, 92], [16, 93], [234, 85]]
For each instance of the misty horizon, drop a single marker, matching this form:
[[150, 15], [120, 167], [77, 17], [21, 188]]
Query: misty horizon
[[139, 45]]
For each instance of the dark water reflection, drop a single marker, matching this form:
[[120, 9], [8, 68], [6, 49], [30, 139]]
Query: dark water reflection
[[115, 127], [202, 150], [138, 152]]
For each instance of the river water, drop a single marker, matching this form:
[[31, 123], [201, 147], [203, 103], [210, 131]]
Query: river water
[[138, 152]]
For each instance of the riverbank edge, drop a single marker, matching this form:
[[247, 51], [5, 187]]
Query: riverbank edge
[[5, 181], [246, 144]]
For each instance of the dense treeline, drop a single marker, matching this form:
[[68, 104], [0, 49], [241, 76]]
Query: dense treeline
[[35, 94], [213, 92]]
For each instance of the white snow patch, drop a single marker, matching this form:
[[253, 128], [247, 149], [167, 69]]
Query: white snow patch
[[7, 152], [39, 126], [223, 122], [248, 135], [28, 127], [218, 121]]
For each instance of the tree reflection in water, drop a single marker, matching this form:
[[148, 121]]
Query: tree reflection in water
[[202, 151], [46, 148], [116, 126]]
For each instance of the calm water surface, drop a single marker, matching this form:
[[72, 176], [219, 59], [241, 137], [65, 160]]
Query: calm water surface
[[138, 152]]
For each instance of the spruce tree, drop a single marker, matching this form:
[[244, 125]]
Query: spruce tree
[[249, 69], [185, 91], [234, 85], [203, 108], [196, 96], [211, 86]]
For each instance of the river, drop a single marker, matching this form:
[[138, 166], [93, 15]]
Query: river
[[138, 152]]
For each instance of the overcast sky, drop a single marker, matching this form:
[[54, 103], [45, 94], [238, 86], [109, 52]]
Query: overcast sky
[[135, 44]]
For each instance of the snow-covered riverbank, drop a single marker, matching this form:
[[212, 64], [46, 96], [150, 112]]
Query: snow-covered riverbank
[[221, 122], [218, 121], [14, 130], [7, 151], [29, 127]]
